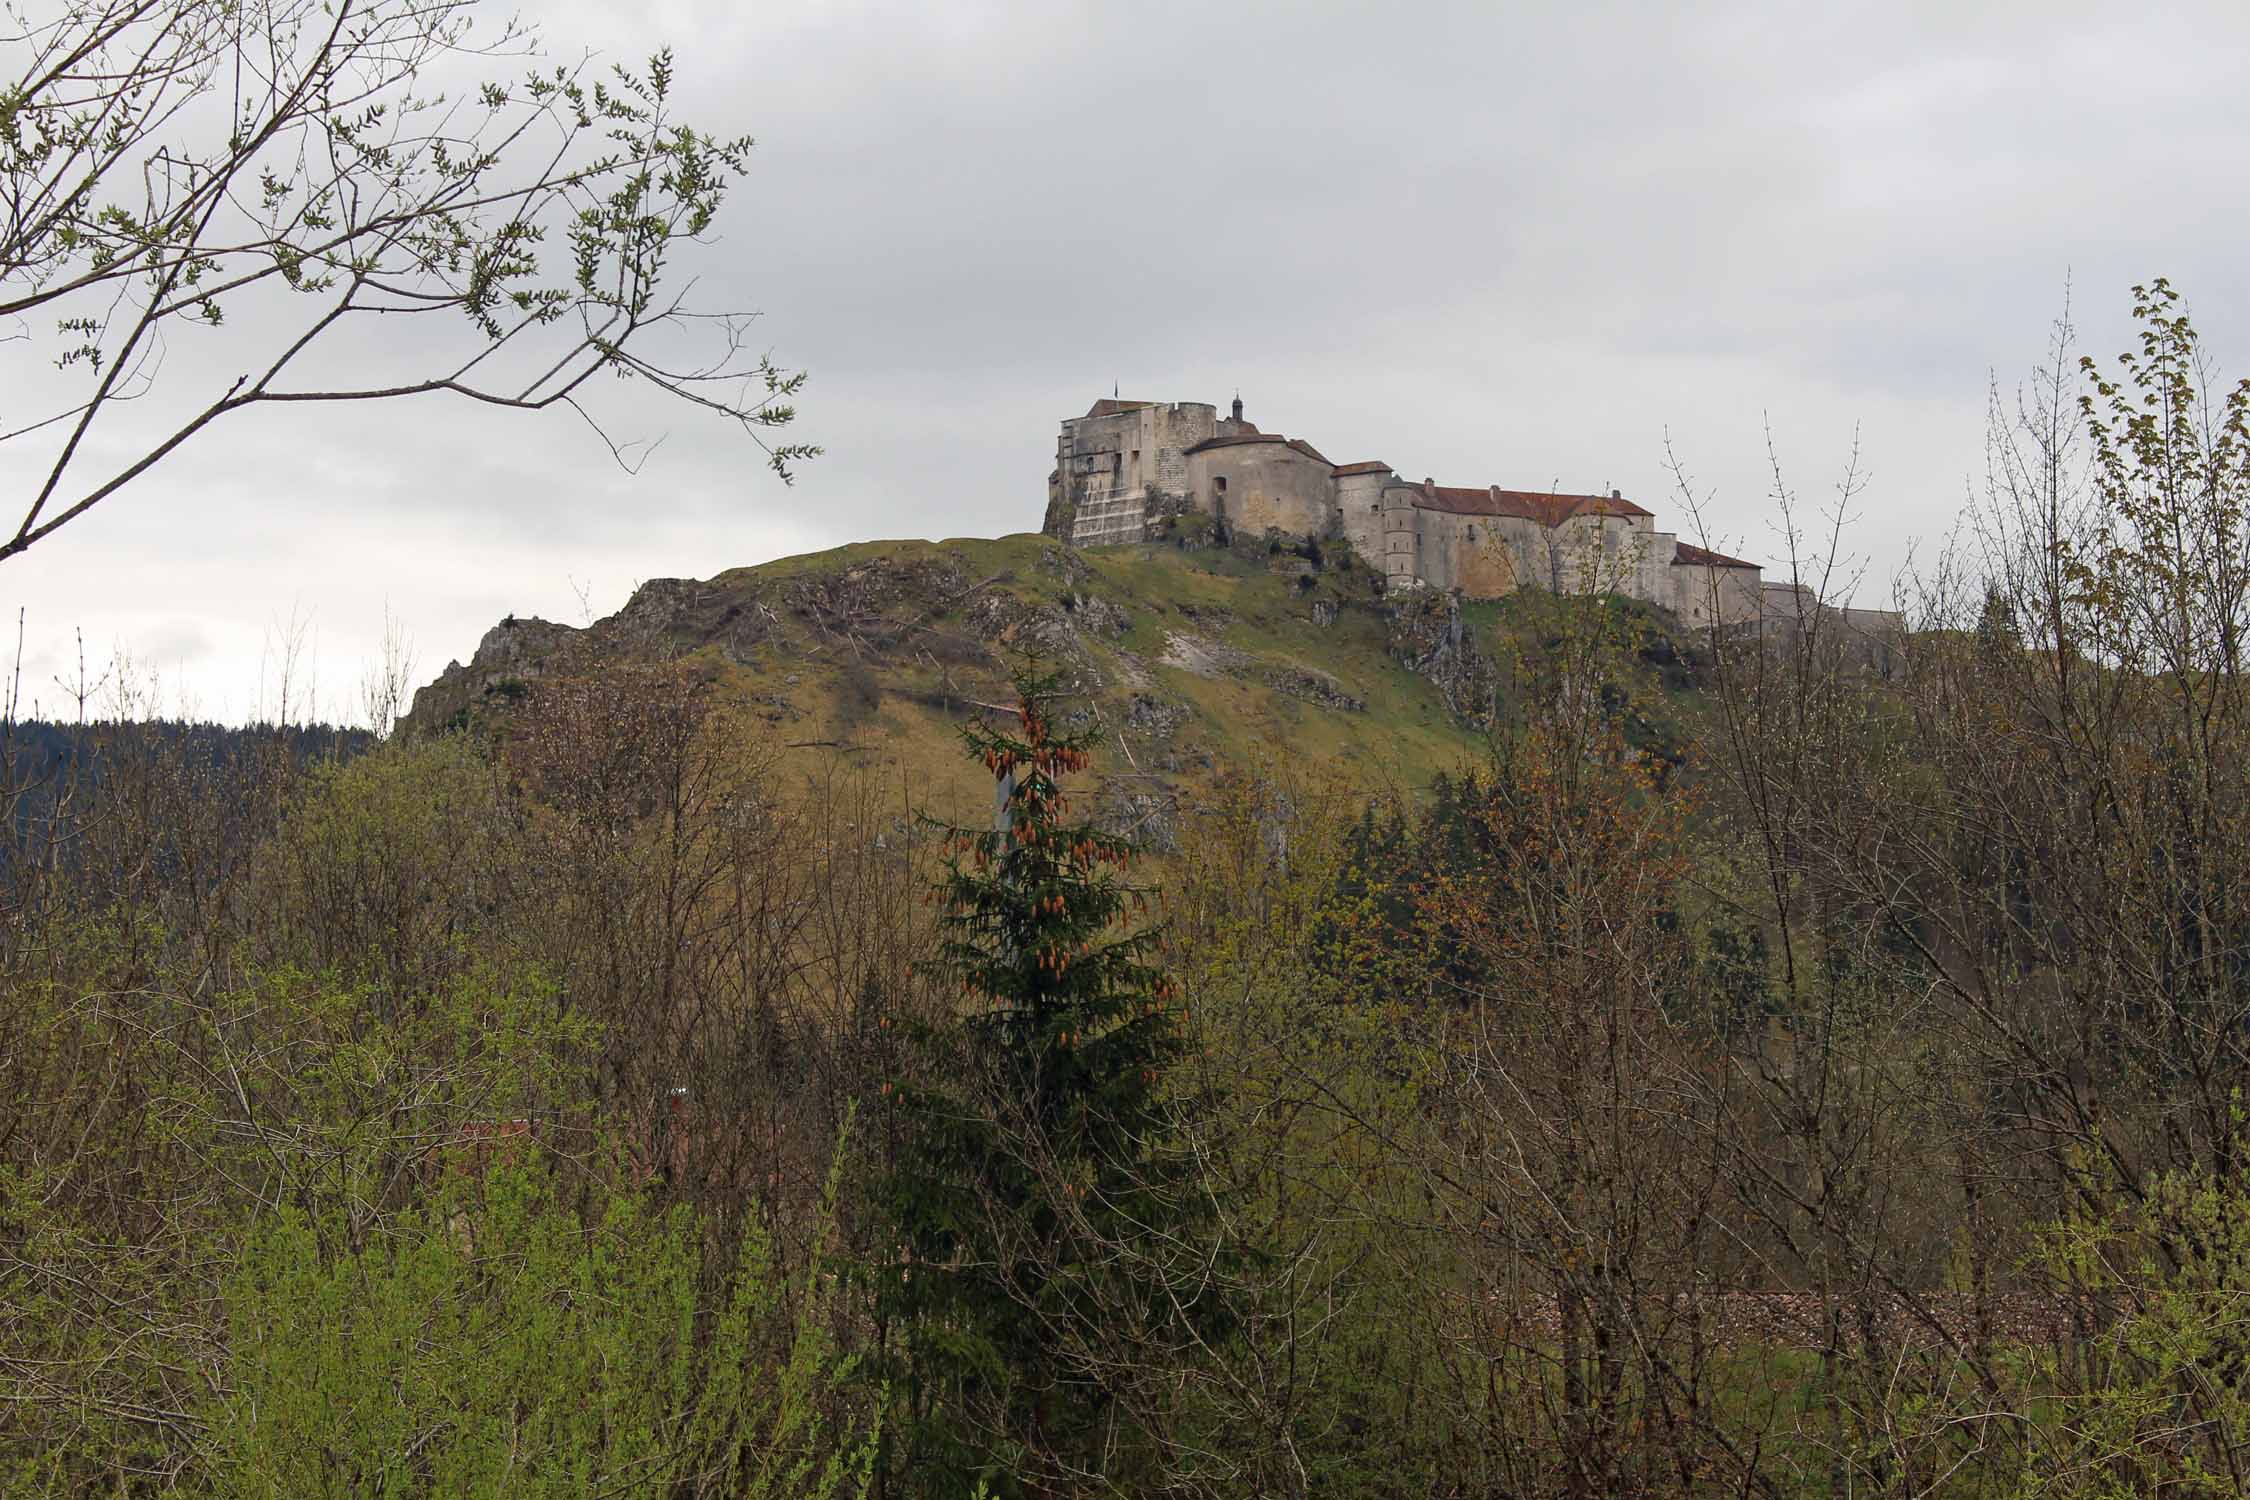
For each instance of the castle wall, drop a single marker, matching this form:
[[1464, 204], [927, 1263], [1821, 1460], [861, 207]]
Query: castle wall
[[1576, 546], [1359, 507], [1652, 573], [1108, 463], [1114, 462], [1601, 554], [1264, 486], [1401, 557], [1532, 549], [1121, 516], [1090, 454], [1704, 596], [1173, 429], [1468, 553], [1865, 639], [1140, 448], [1783, 605]]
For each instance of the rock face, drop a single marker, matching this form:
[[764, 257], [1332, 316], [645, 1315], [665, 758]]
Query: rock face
[[1431, 640], [513, 654], [1196, 656]]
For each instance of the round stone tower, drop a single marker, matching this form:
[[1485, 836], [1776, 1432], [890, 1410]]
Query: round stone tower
[[1402, 538]]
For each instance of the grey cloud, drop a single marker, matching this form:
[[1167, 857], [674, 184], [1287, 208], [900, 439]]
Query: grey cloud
[[1493, 244]]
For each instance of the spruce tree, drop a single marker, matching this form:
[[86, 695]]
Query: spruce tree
[[1039, 1200]]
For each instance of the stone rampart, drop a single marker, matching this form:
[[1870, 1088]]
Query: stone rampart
[[1127, 465], [1110, 517]]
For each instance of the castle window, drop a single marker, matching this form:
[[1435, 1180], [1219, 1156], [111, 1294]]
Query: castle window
[[1221, 482], [1472, 534]]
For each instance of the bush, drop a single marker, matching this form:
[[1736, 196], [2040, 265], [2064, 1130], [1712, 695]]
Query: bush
[[491, 1340]]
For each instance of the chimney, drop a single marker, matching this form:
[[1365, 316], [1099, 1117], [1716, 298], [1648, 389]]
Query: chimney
[[1614, 495]]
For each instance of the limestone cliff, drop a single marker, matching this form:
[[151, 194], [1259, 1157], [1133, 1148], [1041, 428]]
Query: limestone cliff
[[1192, 658]]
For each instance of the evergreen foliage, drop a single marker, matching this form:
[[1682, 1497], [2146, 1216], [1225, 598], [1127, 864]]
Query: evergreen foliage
[[1853, 1106], [1042, 1141]]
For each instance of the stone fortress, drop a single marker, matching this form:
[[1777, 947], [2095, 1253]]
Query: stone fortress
[[1126, 465]]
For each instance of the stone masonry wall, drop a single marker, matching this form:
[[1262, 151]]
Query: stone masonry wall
[[1116, 470], [1108, 466], [1113, 518], [1466, 553], [1706, 596], [1402, 540], [1267, 486], [1359, 507], [1177, 428]]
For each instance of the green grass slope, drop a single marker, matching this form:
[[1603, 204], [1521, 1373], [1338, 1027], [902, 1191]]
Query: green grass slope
[[1191, 658]]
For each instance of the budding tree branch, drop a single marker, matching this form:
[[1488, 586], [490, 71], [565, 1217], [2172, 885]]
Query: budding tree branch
[[215, 164]]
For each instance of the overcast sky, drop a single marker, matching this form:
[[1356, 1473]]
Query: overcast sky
[[1511, 245]]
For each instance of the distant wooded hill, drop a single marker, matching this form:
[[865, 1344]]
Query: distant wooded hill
[[49, 773]]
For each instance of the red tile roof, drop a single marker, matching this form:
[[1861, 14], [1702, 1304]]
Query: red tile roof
[[1530, 505], [1110, 407], [1702, 557], [1563, 507], [1461, 502], [1372, 466]]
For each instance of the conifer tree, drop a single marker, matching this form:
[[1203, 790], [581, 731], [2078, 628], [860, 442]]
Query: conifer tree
[[1041, 1193]]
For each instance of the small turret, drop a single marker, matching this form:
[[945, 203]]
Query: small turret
[[1238, 406]]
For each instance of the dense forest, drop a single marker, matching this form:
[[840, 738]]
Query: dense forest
[[570, 1104]]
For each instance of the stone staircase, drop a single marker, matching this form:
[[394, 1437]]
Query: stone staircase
[[1112, 517]]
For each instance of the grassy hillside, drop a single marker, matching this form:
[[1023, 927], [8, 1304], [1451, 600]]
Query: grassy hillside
[[1190, 656]]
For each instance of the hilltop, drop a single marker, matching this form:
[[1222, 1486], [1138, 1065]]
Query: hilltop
[[1190, 655]]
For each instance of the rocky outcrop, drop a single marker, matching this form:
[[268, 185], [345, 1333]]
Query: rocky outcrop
[[1313, 686], [1429, 637], [1179, 656], [518, 651]]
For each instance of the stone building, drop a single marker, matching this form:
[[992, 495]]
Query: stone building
[[1126, 464], [1114, 461], [1867, 639]]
